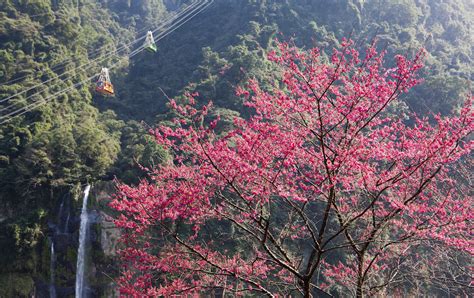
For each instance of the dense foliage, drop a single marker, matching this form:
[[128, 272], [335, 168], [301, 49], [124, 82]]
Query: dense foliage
[[47, 47], [226, 46]]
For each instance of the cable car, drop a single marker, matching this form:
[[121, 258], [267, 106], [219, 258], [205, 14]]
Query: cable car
[[103, 85], [149, 44]]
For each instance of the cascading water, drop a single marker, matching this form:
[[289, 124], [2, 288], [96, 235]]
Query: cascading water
[[52, 265], [60, 213], [62, 225], [66, 225], [80, 280]]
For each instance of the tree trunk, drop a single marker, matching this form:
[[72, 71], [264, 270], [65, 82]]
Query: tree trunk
[[360, 291], [360, 277], [307, 289]]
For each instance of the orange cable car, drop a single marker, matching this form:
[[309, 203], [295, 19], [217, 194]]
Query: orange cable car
[[103, 85]]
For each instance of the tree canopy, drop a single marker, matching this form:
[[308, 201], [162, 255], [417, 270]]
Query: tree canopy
[[319, 191]]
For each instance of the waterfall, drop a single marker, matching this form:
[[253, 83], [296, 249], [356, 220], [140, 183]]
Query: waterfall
[[60, 213], [64, 208], [80, 280], [52, 264], [66, 226]]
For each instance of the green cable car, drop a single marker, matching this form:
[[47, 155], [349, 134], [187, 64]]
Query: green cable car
[[149, 44]]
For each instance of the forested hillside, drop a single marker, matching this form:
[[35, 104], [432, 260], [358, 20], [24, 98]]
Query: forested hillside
[[60, 145], [80, 137], [227, 45]]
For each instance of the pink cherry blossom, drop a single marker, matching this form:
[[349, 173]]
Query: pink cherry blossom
[[321, 189]]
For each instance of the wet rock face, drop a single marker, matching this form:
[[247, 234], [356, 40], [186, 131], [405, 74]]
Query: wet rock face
[[104, 241], [63, 232], [38, 272], [101, 245], [109, 236]]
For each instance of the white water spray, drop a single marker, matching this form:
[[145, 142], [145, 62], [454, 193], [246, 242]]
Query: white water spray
[[52, 264], [60, 214], [66, 225], [80, 280]]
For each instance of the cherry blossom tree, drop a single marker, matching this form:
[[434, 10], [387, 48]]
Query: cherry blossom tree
[[320, 191]]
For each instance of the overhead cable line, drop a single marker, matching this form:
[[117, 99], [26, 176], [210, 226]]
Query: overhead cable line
[[102, 57], [98, 50], [161, 36], [35, 105]]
